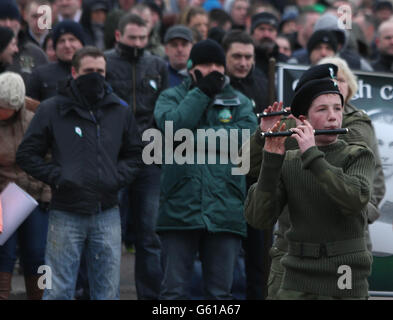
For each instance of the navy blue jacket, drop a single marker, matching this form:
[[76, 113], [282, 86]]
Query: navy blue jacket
[[94, 154], [43, 81]]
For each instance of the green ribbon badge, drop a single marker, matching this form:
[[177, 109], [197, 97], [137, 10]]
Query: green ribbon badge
[[78, 131]]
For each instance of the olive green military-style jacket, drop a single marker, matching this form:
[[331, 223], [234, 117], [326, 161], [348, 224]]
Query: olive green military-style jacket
[[326, 189], [360, 130]]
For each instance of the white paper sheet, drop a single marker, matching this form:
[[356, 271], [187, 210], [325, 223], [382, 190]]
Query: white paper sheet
[[17, 205], [381, 238]]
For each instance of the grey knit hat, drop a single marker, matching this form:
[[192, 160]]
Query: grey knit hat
[[12, 91]]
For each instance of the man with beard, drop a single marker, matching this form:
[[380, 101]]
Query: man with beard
[[384, 43], [138, 77], [96, 150], [264, 28]]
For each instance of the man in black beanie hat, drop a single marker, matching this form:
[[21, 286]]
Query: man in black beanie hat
[[8, 47], [68, 37], [324, 176], [29, 55], [322, 43], [264, 30], [201, 203]]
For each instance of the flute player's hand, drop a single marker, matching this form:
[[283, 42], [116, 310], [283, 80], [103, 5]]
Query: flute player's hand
[[276, 144], [304, 135], [268, 122]]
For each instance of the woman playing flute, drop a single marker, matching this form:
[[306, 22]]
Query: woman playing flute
[[326, 185]]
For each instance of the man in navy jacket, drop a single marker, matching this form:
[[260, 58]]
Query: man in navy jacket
[[96, 150]]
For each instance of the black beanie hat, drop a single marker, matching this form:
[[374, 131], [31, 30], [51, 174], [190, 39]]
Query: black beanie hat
[[263, 17], [322, 36], [9, 9], [206, 51], [6, 35], [316, 81], [68, 26], [326, 70]]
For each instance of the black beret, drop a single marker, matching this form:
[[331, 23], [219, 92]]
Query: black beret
[[311, 90], [326, 70], [322, 36], [206, 51]]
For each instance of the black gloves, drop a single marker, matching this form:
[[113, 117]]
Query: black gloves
[[211, 84]]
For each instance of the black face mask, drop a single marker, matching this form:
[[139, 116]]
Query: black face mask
[[129, 52], [91, 86]]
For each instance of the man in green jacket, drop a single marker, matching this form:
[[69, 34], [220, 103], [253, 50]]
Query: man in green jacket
[[202, 196], [326, 186]]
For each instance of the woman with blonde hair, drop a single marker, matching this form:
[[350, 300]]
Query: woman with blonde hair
[[347, 81]]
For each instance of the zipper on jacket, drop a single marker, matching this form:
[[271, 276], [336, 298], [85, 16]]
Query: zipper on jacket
[[134, 87], [99, 207]]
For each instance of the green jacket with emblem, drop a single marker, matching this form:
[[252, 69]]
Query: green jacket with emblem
[[197, 195]]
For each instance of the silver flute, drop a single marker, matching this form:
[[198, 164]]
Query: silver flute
[[316, 132], [272, 114]]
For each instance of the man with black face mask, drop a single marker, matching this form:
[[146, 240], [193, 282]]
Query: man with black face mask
[[139, 77], [96, 150]]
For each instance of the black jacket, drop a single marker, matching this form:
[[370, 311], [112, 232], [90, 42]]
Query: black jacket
[[254, 87], [29, 57], [94, 154], [383, 64], [262, 58], [151, 79], [43, 81]]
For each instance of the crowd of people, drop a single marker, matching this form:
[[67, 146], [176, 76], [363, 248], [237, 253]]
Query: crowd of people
[[84, 83]]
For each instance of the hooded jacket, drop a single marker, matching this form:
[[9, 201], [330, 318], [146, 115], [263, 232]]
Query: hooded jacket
[[330, 22], [94, 154]]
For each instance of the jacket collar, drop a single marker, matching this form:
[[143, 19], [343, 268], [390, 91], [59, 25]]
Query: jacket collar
[[70, 100]]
